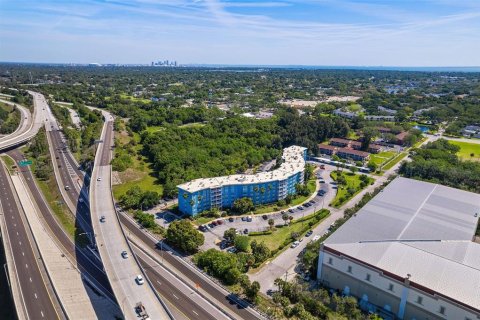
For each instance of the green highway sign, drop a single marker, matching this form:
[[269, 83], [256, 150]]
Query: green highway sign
[[24, 163]]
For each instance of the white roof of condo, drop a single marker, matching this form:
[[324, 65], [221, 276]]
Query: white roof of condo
[[422, 229], [293, 162]]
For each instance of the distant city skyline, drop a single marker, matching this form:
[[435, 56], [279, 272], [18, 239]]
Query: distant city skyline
[[298, 32]]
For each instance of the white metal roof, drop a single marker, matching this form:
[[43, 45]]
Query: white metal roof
[[293, 162], [422, 229]]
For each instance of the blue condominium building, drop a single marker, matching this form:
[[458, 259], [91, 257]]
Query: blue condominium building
[[265, 187]]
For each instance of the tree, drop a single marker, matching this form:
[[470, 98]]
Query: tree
[[230, 235], [271, 223], [182, 235], [372, 166], [285, 217], [260, 251], [149, 199], [252, 290], [243, 205], [368, 134], [241, 243], [308, 172]]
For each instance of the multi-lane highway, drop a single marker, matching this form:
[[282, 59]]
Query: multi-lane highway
[[38, 301], [124, 273]]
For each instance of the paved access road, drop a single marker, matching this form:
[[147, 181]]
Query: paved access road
[[111, 242], [36, 296], [25, 120]]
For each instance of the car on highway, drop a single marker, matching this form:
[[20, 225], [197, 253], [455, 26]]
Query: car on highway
[[67, 188], [99, 179], [139, 279], [102, 219], [124, 254]]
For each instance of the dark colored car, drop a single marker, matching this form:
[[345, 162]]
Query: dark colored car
[[231, 219], [219, 222], [265, 217], [309, 233], [245, 231]]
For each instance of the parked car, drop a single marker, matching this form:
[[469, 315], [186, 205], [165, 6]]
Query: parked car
[[214, 223], [322, 166], [245, 231], [99, 179], [300, 208], [295, 244], [249, 219], [307, 205], [265, 217], [309, 233], [139, 280], [203, 228], [315, 238], [291, 210], [232, 250], [231, 219], [219, 222], [102, 219], [244, 218]]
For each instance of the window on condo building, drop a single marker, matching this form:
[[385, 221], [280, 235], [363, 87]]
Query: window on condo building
[[390, 287], [419, 300], [349, 269], [442, 310], [367, 277], [330, 261]]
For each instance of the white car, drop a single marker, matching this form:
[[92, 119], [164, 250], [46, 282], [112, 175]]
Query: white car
[[124, 254], [295, 244], [316, 238], [139, 280]]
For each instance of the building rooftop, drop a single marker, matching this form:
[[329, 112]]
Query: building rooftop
[[293, 162], [326, 146], [354, 152], [429, 237]]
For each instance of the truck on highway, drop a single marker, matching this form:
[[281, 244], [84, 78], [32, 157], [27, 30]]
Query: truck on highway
[[140, 309]]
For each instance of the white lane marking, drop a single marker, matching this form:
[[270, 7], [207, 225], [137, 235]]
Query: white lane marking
[[195, 312], [30, 279], [36, 297], [175, 296], [23, 253], [26, 265], [42, 314], [159, 282], [20, 242]]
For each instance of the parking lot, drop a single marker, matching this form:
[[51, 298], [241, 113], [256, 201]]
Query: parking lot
[[245, 224]]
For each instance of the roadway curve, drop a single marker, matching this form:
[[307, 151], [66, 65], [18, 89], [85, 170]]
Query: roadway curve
[[40, 117], [35, 294]]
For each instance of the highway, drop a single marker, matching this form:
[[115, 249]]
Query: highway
[[36, 296], [26, 120], [111, 242], [40, 116], [185, 304]]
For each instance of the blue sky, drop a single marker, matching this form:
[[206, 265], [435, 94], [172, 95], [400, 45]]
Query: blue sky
[[301, 32]]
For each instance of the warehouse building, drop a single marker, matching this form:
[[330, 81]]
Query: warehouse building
[[409, 253], [265, 187]]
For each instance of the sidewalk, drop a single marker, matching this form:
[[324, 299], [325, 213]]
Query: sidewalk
[[78, 299]]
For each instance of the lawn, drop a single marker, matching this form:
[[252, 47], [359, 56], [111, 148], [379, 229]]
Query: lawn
[[382, 157], [275, 240], [353, 182], [395, 160], [466, 149], [140, 174], [9, 162]]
